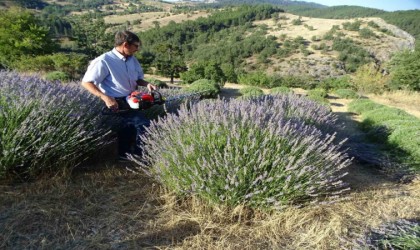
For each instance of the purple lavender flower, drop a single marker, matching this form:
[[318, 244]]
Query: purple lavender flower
[[268, 152]]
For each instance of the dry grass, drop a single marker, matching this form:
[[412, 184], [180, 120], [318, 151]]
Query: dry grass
[[149, 17], [114, 208], [406, 100]]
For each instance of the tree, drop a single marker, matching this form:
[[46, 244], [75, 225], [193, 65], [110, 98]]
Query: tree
[[21, 34], [405, 70], [169, 61], [91, 35], [205, 70], [368, 79]]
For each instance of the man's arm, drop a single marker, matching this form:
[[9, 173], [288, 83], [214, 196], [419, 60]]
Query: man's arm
[[94, 90], [142, 82]]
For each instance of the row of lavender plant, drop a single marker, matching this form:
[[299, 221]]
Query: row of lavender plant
[[262, 152], [46, 127]]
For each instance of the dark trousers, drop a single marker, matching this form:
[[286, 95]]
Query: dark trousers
[[131, 125]]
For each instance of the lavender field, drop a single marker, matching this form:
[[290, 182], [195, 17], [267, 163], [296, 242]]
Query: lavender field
[[266, 172]]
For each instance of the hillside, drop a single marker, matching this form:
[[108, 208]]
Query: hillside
[[381, 47], [313, 56], [267, 40]]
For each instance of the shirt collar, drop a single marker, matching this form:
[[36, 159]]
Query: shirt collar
[[119, 55]]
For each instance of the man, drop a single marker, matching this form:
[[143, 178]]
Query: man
[[112, 77]]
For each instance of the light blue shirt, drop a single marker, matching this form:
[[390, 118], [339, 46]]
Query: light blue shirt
[[114, 74]]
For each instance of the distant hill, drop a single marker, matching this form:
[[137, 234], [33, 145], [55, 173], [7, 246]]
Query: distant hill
[[315, 40], [407, 20], [30, 4], [335, 12], [272, 2]]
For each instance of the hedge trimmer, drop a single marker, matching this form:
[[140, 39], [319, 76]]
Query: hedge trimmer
[[144, 100]]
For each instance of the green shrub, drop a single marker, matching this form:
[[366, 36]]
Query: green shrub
[[258, 78], [297, 21], [72, 64], [351, 54], [343, 82], [258, 152], [408, 139], [291, 81], [251, 91], [373, 24], [360, 106], [396, 130], [207, 88], [204, 70], [405, 70], [319, 95], [42, 63], [380, 115], [318, 92], [346, 93], [366, 33], [280, 90], [57, 76], [158, 83], [354, 26]]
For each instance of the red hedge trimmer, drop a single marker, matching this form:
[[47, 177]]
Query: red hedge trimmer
[[143, 100]]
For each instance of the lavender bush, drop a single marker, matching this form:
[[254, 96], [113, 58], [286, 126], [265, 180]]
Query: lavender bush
[[262, 152], [401, 234], [46, 127]]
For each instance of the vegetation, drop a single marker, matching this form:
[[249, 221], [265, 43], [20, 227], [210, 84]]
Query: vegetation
[[405, 70], [407, 20], [318, 95], [259, 152], [333, 83], [393, 128], [206, 88], [346, 93], [160, 84], [337, 12], [57, 76], [216, 36], [21, 33], [46, 128], [257, 78], [351, 54], [280, 90], [211, 185], [251, 91], [401, 234], [368, 79]]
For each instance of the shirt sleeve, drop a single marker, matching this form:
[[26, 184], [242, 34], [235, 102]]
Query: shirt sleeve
[[97, 71]]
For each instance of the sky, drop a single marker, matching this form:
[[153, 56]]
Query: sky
[[388, 5]]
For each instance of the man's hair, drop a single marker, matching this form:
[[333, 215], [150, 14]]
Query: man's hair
[[125, 36]]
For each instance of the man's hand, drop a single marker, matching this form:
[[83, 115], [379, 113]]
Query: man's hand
[[146, 84], [151, 87], [110, 102]]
